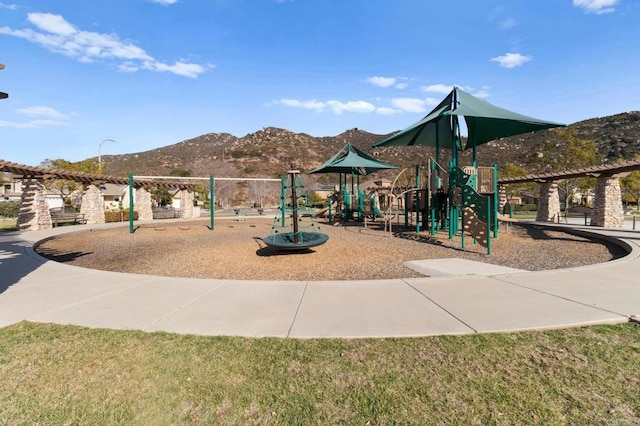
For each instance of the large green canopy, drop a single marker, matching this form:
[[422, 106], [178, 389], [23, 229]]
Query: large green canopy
[[485, 122], [352, 160]]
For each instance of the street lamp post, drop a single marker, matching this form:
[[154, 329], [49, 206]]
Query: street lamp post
[[100, 155]]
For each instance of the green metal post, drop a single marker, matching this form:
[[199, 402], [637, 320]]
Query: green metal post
[[495, 200], [463, 202], [212, 201], [450, 198], [329, 200], [282, 199], [131, 203], [488, 230], [417, 199], [433, 201]]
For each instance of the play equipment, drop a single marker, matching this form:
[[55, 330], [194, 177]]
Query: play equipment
[[349, 160], [452, 200], [302, 232]]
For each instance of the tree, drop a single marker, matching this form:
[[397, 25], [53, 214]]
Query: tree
[[66, 187], [516, 189], [630, 187], [161, 196], [258, 192], [568, 152]]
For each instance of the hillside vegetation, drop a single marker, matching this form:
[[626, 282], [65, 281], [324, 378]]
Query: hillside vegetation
[[271, 151]]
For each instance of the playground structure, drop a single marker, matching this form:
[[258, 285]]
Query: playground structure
[[454, 199], [302, 232]]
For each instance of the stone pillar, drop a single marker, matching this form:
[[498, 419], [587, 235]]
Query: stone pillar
[[607, 207], [34, 211], [549, 202], [142, 204], [92, 205], [186, 204]]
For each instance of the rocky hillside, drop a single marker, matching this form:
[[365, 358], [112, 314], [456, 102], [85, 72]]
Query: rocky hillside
[[271, 151]]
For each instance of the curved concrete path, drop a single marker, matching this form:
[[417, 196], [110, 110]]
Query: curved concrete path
[[35, 289]]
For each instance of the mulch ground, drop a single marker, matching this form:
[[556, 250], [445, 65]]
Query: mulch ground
[[235, 250]]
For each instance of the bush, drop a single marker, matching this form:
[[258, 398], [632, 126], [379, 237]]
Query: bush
[[525, 207], [9, 209], [120, 216]]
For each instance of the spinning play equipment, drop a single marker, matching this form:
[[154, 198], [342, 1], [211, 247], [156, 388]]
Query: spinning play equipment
[[302, 232]]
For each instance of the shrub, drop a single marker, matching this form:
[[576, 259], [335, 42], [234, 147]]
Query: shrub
[[9, 209], [119, 216], [525, 207]]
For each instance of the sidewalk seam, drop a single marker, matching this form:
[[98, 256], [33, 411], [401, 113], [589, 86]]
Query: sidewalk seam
[[181, 307], [295, 315], [440, 306], [561, 297]]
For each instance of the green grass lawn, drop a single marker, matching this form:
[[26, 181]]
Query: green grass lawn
[[7, 224], [52, 374]]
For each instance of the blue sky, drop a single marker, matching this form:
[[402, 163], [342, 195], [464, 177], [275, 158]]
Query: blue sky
[[150, 73]]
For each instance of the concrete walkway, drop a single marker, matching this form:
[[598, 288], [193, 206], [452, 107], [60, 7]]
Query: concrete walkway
[[34, 289]]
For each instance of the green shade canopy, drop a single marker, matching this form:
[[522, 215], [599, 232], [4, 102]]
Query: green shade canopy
[[351, 160], [485, 122]]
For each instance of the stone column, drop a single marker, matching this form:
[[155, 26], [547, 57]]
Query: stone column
[[92, 205], [502, 198], [186, 204], [607, 207], [34, 211], [142, 204], [549, 202]]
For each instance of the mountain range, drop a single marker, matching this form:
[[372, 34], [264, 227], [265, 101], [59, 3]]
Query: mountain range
[[270, 152]]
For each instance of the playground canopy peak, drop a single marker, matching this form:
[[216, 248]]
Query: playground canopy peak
[[485, 122], [352, 160]]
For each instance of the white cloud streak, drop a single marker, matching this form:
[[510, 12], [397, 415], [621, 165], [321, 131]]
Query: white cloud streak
[[598, 7], [42, 111], [44, 116], [165, 2], [57, 35], [397, 82], [437, 88], [8, 6], [511, 60], [34, 124], [409, 104]]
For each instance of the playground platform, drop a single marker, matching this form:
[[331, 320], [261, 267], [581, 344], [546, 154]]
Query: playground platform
[[480, 301]]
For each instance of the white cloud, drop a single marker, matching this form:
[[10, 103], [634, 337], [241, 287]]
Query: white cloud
[[437, 88], [337, 107], [8, 6], [42, 111], [59, 36], [409, 104], [397, 82], [313, 104], [44, 116], [508, 23], [180, 68], [34, 124], [511, 60], [165, 2], [351, 106], [598, 7], [382, 81]]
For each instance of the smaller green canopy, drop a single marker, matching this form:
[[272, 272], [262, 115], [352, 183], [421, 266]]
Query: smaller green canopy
[[351, 160]]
